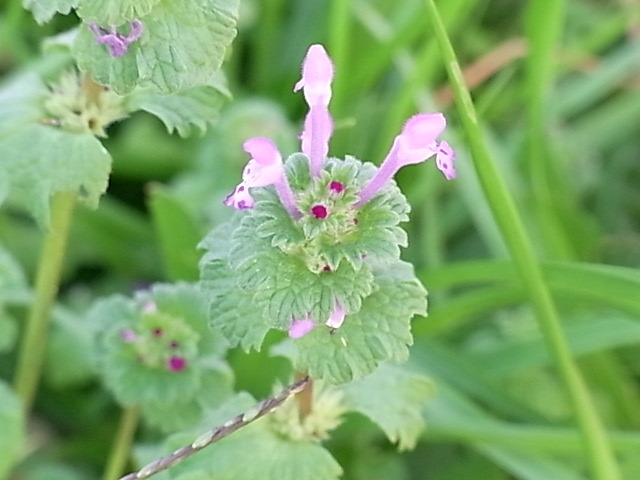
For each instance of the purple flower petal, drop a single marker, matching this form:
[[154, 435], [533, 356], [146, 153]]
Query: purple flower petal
[[240, 198], [117, 43], [264, 168], [299, 328], [337, 316], [415, 144], [317, 74], [445, 160]]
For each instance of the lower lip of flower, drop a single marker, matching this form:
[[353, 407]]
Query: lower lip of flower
[[320, 211]]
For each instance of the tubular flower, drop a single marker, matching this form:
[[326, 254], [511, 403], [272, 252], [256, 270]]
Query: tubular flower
[[117, 43], [264, 168], [317, 74], [415, 144]]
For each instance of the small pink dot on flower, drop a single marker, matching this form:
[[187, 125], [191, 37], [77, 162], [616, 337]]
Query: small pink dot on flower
[[336, 187], [326, 268], [320, 211], [176, 364], [157, 332]]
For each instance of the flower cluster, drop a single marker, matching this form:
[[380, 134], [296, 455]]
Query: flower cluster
[[328, 209], [161, 341]]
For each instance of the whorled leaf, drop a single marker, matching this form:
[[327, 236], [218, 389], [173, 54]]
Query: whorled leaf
[[182, 46], [136, 340], [44, 10], [379, 332], [182, 111], [41, 160], [393, 398]]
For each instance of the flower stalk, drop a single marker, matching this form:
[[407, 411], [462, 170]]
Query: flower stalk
[[121, 446], [34, 341]]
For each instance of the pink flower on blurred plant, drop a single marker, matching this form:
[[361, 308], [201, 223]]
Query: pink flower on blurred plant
[[117, 43], [264, 168]]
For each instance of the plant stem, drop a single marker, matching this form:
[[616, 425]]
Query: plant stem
[[260, 409], [122, 443], [598, 448], [304, 397], [34, 341]]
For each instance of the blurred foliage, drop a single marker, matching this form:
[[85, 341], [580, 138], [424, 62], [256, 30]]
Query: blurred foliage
[[500, 411]]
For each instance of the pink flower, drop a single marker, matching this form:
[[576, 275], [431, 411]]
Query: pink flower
[[300, 327], [317, 74], [415, 144], [337, 316], [117, 43], [264, 168]]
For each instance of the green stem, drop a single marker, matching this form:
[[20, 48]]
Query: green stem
[[598, 449], [122, 443], [305, 396], [47, 281]]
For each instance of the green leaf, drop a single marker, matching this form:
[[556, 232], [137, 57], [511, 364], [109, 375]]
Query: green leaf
[[182, 46], [137, 369], [12, 433], [121, 74], [195, 107], [41, 160], [380, 331], [44, 10], [253, 452], [70, 345], [232, 310], [393, 398], [283, 284], [178, 234], [114, 12]]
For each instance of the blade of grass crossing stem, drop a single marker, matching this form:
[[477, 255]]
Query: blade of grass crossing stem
[[598, 449], [34, 341]]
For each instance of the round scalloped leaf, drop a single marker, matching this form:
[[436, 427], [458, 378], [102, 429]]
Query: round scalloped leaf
[[44, 10], [380, 331], [137, 340], [393, 398]]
